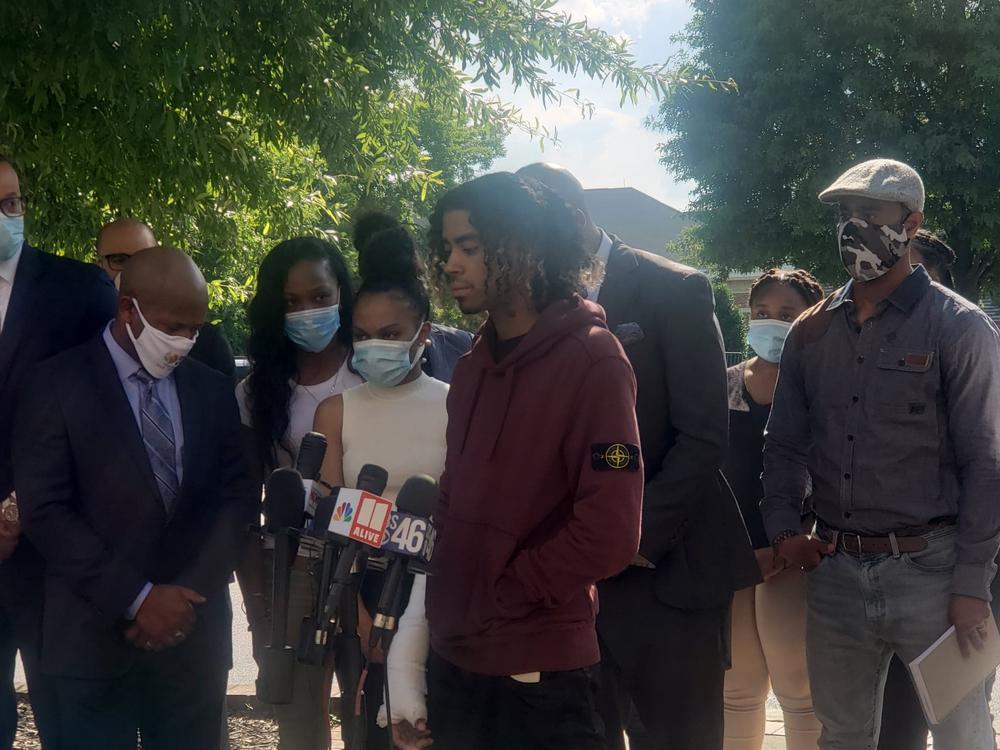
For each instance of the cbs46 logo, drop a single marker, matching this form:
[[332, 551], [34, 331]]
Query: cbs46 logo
[[409, 534]]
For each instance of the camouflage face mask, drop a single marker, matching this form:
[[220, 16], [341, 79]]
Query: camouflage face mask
[[870, 250]]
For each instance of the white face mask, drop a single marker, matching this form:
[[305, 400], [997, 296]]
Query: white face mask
[[159, 352]]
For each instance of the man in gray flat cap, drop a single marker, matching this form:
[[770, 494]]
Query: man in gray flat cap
[[887, 398]]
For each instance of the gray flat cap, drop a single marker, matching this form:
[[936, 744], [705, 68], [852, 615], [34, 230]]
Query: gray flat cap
[[879, 179]]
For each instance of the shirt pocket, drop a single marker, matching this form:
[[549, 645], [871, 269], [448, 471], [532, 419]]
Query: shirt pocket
[[902, 427], [905, 383]]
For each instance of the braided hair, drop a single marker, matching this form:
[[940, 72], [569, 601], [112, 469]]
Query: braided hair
[[936, 254], [801, 281]]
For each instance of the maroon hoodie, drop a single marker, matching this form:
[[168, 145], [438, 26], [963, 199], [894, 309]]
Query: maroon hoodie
[[541, 496]]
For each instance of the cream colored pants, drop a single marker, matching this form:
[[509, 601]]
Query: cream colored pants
[[769, 650]]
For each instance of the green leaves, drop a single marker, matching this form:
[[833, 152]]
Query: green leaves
[[229, 126], [821, 87]]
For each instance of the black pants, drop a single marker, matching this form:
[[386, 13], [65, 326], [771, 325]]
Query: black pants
[[469, 711], [174, 703], [21, 630], [377, 737], [665, 664]]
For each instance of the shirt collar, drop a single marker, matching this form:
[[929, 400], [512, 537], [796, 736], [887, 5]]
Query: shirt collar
[[903, 297], [8, 268], [604, 251], [126, 366], [907, 294]]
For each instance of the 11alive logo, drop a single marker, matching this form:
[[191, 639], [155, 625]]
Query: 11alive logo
[[370, 519]]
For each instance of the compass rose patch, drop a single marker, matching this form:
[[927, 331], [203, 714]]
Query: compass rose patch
[[614, 457]]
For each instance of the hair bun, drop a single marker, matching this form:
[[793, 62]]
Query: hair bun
[[370, 223], [390, 255]]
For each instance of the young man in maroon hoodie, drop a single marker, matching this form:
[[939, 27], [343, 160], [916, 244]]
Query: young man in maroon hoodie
[[542, 490]]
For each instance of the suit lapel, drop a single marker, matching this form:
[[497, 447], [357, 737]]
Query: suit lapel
[[111, 394], [620, 288], [192, 401], [24, 293]]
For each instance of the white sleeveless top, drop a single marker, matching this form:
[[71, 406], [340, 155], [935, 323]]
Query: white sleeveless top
[[401, 429], [301, 408]]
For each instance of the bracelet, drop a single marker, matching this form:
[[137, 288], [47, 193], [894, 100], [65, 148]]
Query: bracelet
[[784, 536]]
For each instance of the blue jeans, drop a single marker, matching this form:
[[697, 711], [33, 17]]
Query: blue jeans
[[861, 611]]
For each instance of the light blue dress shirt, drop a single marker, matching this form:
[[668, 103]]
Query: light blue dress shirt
[[166, 392]]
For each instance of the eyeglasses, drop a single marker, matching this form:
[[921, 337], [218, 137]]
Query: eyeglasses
[[115, 261], [13, 207]]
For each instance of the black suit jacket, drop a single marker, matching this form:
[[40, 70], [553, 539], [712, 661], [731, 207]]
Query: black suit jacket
[[663, 314], [89, 503], [212, 348], [56, 303], [447, 347]]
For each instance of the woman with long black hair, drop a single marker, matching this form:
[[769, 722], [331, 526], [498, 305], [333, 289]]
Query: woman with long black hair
[[299, 348]]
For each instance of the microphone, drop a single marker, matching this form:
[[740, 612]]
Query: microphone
[[314, 634], [308, 463], [407, 539], [283, 500], [312, 450], [369, 522], [283, 516]]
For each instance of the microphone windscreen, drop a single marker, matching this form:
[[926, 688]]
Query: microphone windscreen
[[372, 479], [418, 496], [325, 507], [283, 500], [312, 449]]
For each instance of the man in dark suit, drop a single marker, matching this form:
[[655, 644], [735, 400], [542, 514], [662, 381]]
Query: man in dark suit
[[118, 241], [47, 304], [664, 622], [132, 485]]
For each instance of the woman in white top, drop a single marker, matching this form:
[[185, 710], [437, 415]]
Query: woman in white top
[[299, 349], [397, 420]]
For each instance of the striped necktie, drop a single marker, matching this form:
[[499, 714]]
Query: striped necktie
[[158, 438]]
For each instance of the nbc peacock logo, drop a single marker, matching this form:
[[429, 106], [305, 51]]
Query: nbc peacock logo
[[344, 513]]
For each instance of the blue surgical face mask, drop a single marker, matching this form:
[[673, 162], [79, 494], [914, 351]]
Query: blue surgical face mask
[[767, 338], [11, 236], [313, 330], [386, 363]]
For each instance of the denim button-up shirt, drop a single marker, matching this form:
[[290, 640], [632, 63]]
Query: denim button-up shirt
[[897, 421]]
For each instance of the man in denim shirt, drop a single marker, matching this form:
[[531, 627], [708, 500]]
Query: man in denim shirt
[[888, 397]]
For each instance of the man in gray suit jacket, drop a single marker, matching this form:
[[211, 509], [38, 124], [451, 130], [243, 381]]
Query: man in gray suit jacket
[[664, 622]]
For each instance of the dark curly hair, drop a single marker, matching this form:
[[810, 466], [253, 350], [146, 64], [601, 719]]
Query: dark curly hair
[[936, 254], [801, 281], [272, 355], [388, 262], [529, 235]]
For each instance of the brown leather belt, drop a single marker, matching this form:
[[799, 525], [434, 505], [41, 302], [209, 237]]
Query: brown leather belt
[[857, 545], [911, 540]]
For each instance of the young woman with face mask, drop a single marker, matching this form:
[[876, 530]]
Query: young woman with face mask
[[768, 642], [299, 349], [397, 419]]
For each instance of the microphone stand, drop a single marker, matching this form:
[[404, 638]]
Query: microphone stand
[[350, 665], [277, 676]]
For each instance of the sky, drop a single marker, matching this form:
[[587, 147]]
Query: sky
[[613, 148]]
